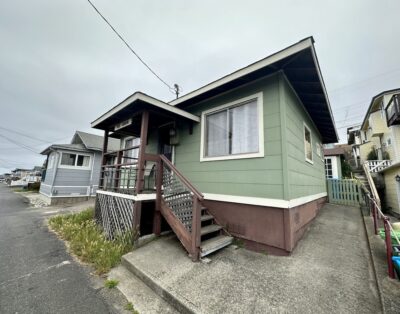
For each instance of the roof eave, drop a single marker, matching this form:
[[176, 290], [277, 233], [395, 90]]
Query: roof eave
[[149, 100]]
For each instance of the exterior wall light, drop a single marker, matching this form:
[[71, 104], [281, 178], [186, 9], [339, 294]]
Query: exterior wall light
[[397, 178]]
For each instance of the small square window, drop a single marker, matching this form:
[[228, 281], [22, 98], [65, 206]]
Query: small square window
[[308, 144], [83, 161], [68, 159]]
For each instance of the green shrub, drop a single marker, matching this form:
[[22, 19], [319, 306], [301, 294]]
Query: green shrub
[[88, 242], [372, 155]]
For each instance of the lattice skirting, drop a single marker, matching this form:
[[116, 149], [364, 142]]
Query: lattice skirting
[[115, 214]]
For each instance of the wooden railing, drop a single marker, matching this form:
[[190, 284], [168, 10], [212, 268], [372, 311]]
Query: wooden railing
[[377, 214], [180, 204], [377, 165], [121, 171]]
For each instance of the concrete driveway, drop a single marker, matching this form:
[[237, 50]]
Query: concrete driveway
[[329, 272], [36, 273]]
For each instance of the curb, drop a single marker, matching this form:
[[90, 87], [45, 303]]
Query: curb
[[371, 255], [181, 305]]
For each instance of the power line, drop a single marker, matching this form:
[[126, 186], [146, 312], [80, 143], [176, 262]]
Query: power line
[[131, 49], [23, 134], [18, 144], [363, 81]]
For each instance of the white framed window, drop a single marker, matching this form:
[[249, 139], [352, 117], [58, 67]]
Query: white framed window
[[75, 161], [328, 168], [308, 144], [233, 131]]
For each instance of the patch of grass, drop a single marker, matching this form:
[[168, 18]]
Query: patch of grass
[[111, 283], [88, 242], [129, 307], [239, 243], [19, 190]]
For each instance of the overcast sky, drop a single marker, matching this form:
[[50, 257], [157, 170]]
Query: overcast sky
[[61, 66]]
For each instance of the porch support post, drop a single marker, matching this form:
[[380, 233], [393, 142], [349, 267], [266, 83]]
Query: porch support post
[[118, 171], [157, 214], [137, 213], [142, 151], [196, 226], [103, 159]]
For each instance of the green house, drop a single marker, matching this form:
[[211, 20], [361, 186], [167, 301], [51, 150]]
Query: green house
[[240, 157]]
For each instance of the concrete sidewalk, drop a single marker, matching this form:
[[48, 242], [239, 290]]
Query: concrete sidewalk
[[329, 272]]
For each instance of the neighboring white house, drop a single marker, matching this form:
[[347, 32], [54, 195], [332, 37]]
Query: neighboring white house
[[333, 162], [376, 134], [354, 139], [73, 170], [380, 133]]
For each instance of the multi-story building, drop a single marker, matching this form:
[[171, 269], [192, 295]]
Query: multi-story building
[[378, 138], [380, 144]]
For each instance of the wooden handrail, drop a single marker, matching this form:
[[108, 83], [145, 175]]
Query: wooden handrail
[[371, 183], [122, 150], [185, 181]]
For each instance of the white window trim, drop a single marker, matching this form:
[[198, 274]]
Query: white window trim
[[311, 161], [76, 160], [50, 163], [260, 153]]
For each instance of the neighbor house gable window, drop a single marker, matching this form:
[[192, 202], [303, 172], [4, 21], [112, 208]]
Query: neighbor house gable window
[[70, 160], [233, 131], [308, 144]]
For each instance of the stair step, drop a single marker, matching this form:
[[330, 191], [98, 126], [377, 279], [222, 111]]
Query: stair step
[[214, 244], [209, 229], [206, 217]]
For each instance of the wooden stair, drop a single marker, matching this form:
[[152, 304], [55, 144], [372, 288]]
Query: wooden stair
[[213, 236]]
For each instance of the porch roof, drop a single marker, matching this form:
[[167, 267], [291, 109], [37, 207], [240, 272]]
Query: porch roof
[[135, 104], [300, 65]]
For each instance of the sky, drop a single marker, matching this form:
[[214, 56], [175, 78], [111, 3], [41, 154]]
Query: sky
[[61, 66]]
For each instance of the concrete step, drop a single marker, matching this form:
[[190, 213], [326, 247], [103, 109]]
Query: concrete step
[[214, 244], [209, 229], [206, 217], [144, 299]]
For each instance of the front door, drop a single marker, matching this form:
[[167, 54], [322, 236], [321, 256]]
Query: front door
[[164, 147]]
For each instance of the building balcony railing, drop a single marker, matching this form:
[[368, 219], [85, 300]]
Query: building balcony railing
[[393, 111], [120, 171]]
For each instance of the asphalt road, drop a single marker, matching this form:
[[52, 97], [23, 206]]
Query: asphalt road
[[37, 275]]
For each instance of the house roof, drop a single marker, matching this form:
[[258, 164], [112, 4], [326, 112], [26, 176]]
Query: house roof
[[374, 102], [298, 62], [135, 103], [83, 142], [336, 151], [95, 142], [300, 65]]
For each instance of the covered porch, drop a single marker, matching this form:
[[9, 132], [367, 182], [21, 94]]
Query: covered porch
[[132, 169], [140, 190]]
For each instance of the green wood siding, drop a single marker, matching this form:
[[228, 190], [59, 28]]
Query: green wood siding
[[282, 173], [255, 177], [303, 178]]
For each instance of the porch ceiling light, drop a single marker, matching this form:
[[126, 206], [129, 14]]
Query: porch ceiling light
[[172, 132]]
